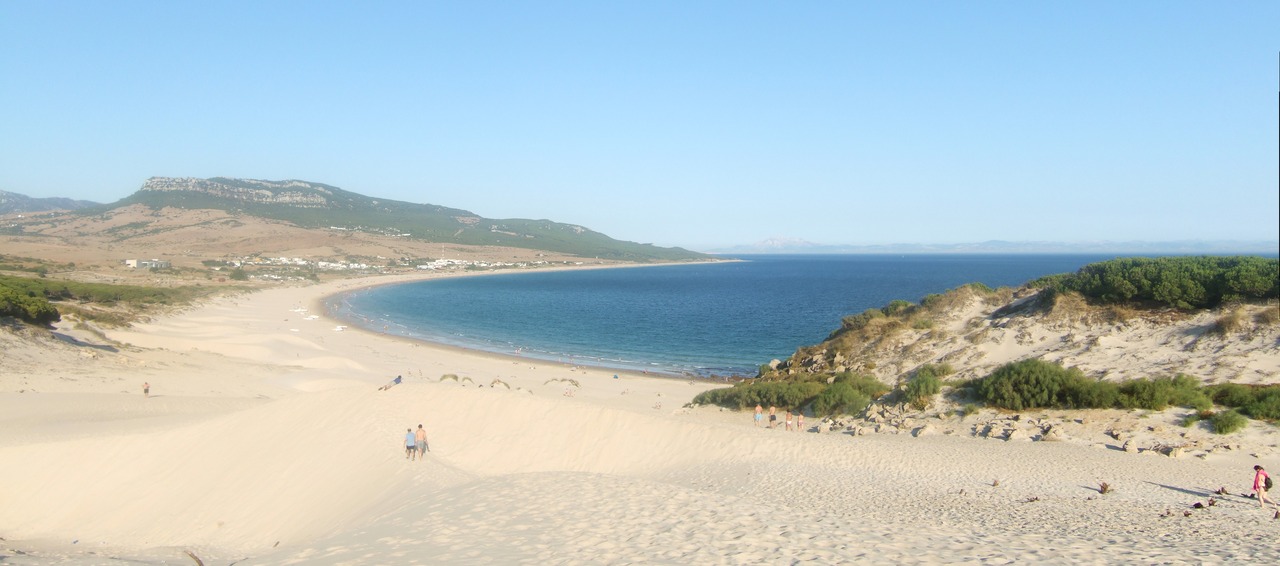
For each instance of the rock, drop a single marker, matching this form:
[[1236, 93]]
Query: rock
[[1175, 452], [1052, 434], [1016, 434], [924, 430], [774, 363], [1130, 446]]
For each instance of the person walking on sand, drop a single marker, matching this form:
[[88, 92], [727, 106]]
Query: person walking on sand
[[410, 445], [146, 390], [1260, 478], [420, 437], [759, 414], [773, 416]]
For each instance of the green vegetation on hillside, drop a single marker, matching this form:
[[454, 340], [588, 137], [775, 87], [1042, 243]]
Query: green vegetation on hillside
[[1181, 282], [25, 307], [847, 393], [1130, 283], [1037, 384], [353, 211], [32, 300]]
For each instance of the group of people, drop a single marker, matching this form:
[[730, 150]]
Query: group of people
[[797, 419], [415, 444]]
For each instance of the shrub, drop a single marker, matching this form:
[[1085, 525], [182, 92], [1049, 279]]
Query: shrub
[[897, 307], [1230, 394], [921, 389], [1228, 323], [1228, 422], [1268, 316], [1265, 403], [26, 307], [936, 370], [1160, 393], [840, 398], [1034, 383], [866, 384], [789, 394], [1181, 282], [854, 322]]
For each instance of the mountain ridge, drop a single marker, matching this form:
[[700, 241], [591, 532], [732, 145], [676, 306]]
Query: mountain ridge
[[317, 205], [11, 203]]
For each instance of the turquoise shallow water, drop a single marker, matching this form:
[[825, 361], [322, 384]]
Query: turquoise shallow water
[[701, 319]]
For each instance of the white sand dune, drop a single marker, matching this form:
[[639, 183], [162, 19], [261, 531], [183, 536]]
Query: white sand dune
[[265, 446]]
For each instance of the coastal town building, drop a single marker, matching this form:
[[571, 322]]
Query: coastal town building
[[148, 263]]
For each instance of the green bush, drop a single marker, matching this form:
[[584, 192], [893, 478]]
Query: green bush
[[1228, 422], [848, 394], [1180, 282], [869, 386], [840, 398], [787, 394], [1259, 402], [935, 370], [1029, 384], [1230, 394], [1265, 404], [1161, 393], [33, 309], [921, 389], [856, 321]]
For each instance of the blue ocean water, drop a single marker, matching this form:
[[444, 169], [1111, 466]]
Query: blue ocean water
[[701, 319]]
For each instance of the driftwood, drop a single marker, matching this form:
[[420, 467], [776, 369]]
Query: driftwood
[[194, 557]]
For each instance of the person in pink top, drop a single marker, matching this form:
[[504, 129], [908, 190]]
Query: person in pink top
[[1260, 487]]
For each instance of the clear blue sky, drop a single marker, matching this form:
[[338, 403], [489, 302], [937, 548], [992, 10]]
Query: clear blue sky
[[697, 124]]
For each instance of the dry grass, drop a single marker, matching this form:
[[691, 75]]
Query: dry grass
[[1230, 322], [1268, 316]]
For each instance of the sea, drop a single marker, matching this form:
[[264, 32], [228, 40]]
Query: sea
[[704, 320]]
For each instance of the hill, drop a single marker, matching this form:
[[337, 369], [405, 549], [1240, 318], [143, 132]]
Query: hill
[[319, 206], [12, 203]]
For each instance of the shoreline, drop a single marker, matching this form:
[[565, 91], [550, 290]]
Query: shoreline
[[324, 304], [267, 440]]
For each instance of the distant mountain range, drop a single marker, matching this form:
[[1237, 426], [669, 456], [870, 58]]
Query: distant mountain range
[[11, 203], [797, 246], [320, 206], [316, 205]]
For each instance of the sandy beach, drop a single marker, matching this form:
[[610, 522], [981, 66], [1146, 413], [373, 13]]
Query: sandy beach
[[266, 439]]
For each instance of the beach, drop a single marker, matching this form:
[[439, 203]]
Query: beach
[[270, 437]]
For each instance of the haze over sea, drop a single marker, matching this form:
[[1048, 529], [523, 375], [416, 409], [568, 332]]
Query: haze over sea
[[705, 319]]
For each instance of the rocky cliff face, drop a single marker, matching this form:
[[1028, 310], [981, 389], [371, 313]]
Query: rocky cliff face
[[299, 194]]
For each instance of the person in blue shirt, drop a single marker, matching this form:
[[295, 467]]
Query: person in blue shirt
[[410, 445]]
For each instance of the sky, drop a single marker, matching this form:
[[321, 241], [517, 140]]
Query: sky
[[697, 124]]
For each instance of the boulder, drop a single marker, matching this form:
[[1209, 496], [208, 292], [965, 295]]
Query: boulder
[[1052, 434], [1130, 446]]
